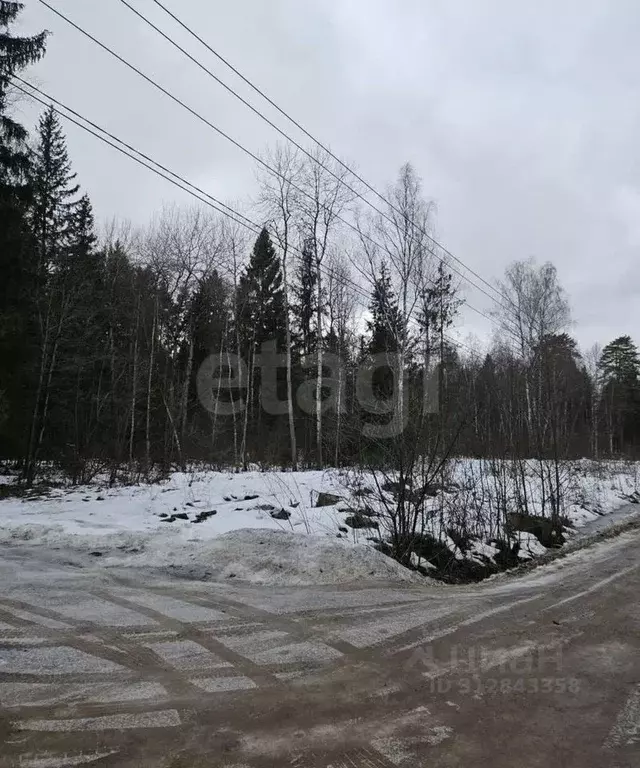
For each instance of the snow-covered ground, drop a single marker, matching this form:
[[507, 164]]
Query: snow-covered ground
[[240, 501], [255, 526], [266, 526]]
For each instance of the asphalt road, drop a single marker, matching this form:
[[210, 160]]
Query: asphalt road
[[130, 669]]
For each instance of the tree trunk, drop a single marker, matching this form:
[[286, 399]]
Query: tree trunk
[[45, 407], [29, 468], [319, 369], [338, 417], [214, 420], [249, 404], [134, 388], [287, 322], [149, 383], [184, 405]]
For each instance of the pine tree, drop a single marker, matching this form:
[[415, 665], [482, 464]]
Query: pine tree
[[620, 362], [619, 368], [17, 258], [440, 305]]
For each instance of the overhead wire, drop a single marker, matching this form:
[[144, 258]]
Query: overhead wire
[[147, 162], [295, 123], [225, 135]]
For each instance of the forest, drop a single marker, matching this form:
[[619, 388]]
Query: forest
[[309, 331]]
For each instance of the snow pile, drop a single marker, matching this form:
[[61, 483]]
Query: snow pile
[[275, 557], [530, 546]]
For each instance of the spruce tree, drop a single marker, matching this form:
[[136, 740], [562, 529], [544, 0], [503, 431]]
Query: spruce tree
[[82, 228], [385, 330], [261, 317], [262, 295], [83, 335], [82, 266], [62, 227], [54, 204], [440, 305], [304, 305], [16, 54], [17, 257], [386, 324]]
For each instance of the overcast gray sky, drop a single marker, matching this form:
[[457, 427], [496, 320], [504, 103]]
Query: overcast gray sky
[[523, 119]]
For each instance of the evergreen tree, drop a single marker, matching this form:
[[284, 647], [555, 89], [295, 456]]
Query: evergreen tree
[[385, 329], [16, 54], [56, 219], [17, 258], [304, 306], [209, 317], [262, 295], [619, 368], [304, 319], [82, 340], [81, 232], [620, 363], [440, 305], [261, 317], [386, 325], [54, 191]]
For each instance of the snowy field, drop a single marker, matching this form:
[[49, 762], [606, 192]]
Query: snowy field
[[267, 527]]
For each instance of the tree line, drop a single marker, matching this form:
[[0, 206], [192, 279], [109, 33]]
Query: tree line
[[120, 353]]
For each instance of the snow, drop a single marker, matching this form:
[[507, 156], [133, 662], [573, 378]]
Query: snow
[[530, 546], [127, 525], [123, 527], [93, 511], [279, 557], [481, 549]]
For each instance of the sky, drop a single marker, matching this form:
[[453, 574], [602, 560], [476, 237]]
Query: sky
[[522, 119]]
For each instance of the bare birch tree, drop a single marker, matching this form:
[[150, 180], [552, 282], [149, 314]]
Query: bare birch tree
[[324, 200], [235, 244], [280, 202], [534, 307], [400, 236]]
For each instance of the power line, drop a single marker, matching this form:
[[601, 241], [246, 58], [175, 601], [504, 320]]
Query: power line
[[222, 133], [147, 162], [175, 181], [296, 144], [298, 125], [164, 172], [229, 211]]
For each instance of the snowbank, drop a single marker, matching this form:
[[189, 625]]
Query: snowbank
[[264, 527], [278, 558], [128, 526]]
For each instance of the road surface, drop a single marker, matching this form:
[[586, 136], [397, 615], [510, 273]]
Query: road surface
[[130, 668]]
